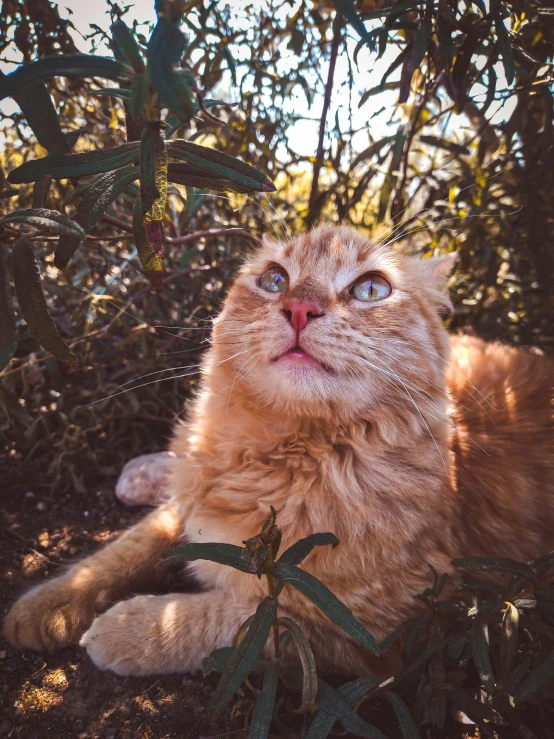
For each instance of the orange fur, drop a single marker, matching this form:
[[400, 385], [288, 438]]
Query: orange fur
[[373, 448]]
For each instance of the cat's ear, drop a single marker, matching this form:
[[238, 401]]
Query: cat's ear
[[437, 269]]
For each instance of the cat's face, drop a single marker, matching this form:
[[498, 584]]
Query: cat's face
[[330, 321]]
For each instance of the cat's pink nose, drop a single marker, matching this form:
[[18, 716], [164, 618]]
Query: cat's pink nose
[[299, 312]]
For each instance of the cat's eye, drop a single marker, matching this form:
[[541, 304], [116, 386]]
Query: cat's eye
[[274, 280], [370, 288]]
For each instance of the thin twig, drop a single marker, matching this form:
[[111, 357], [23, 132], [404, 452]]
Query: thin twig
[[337, 23]]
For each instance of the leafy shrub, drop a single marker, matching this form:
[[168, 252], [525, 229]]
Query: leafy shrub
[[488, 655], [150, 82]]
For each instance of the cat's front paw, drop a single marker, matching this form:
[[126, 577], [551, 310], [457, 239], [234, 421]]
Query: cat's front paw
[[50, 616], [125, 639], [143, 480]]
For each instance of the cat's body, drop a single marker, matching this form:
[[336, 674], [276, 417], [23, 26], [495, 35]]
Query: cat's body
[[334, 410]]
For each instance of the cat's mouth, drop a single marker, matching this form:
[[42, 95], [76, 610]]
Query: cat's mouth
[[301, 357]]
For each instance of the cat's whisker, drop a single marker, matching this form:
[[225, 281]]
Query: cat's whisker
[[152, 382], [397, 377]]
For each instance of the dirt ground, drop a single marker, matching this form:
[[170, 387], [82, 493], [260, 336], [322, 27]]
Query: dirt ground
[[62, 695]]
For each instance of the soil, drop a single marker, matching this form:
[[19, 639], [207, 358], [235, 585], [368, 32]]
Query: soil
[[62, 695]]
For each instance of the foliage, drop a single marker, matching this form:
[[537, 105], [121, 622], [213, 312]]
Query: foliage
[[259, 557], [148, 87], [487, 654]]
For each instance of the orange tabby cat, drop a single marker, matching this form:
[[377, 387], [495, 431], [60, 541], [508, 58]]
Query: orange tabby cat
[[325, 395]]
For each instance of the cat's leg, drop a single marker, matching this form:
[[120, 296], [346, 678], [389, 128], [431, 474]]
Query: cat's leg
[[144, 480], [57, 612], [157, 634]]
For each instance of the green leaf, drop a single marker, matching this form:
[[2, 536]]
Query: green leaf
[[93, 205], [444, 144], [376, 91], [246, 654], [139, 93], [419, 49], [28, 288], [64, 65], [116, 92], [416, 629], [309, 672], [408, 726], [4, 194], [62, 166], [218, 660], [396, 9], [37, 107], [8, 324], [351, 692], [300, 550], [230, 63], [537, 680], [505, 46], [325, 600], [333, 703], [347, 10], [173, 124], [392, 175], [221, 165], [165, 49], [125, 39], [43, 218], [191, 176], [223, 554], [481, 652], [496, 564], [265, 703], [508, 643]]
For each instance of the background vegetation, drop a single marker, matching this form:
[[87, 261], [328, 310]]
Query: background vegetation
[[462, 161], [426, 123]]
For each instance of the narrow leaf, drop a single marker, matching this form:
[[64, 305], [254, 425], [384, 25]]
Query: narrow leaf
[[419, 49], [246, 654], [126, 41], [93, 205], [42, 218], [64, 65], [139, 93], [37, 107], [309, 672], [392, 175], [116, 92], [351, 692], [408, 726], [220, 164], [325, 600], [62, 166], [332, 702], [28, 288], [347, 10], [223, 554], [191, 176], [508, 642], [8, 325], [537, 680], [498, 564], [506, 48], [165, 49], [481, 652], [300, 550], [263, 710]]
